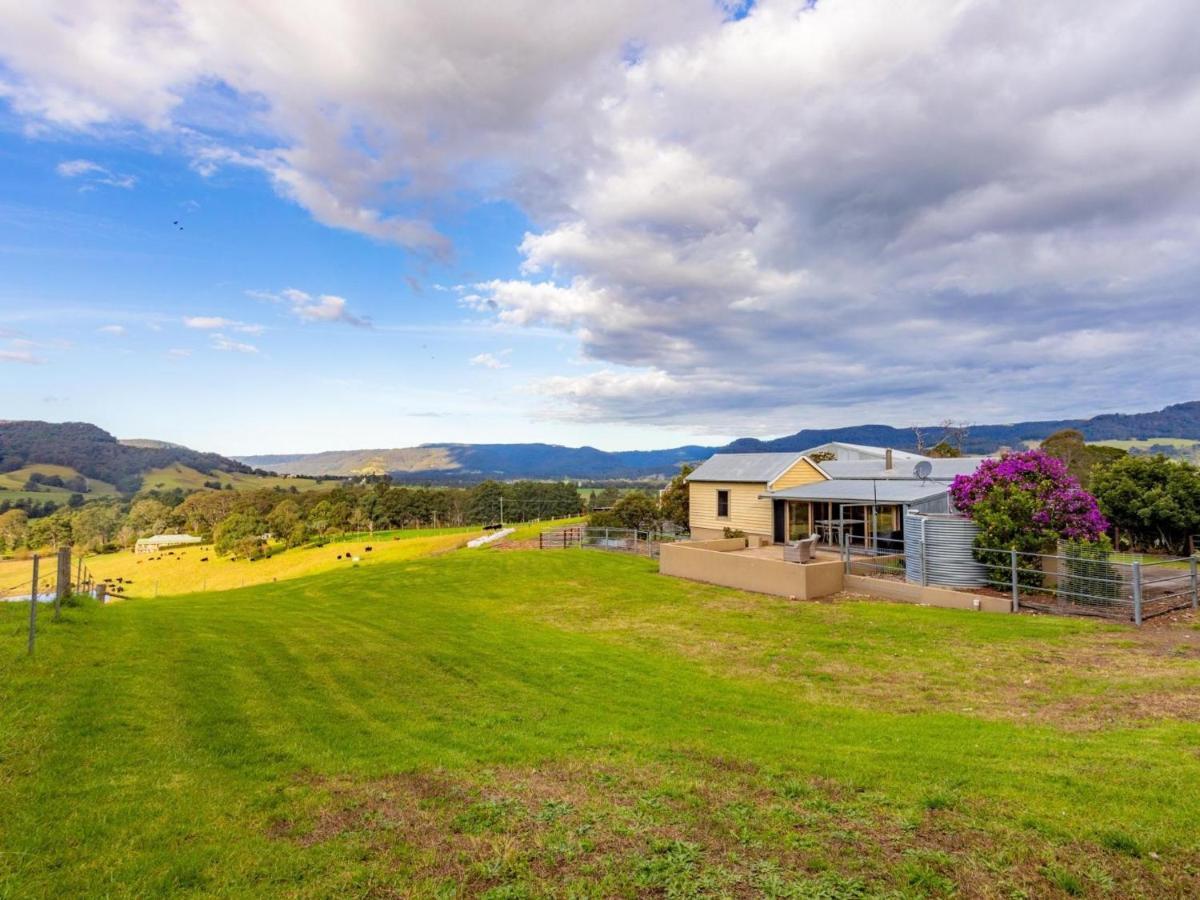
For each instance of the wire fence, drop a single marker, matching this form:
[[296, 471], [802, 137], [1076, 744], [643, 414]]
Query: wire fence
[[1078, 579], [49, 579], [615, 540]]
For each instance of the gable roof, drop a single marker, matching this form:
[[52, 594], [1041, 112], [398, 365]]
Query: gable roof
[[754, 468]]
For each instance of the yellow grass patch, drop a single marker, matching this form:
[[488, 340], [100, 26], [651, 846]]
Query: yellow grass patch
[[183, 572]]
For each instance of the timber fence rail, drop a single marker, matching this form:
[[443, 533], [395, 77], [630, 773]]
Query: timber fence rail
[[1080, 579]]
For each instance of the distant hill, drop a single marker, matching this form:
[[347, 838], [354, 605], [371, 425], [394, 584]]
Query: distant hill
[[96, 454], [462, 462], [1179, 421]]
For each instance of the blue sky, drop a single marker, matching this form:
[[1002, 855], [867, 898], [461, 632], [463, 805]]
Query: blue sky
[[102, 282], [619, 224]]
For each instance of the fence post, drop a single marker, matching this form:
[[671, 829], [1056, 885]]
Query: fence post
[[62, 582], [1137, 593], [1193, 565], [1016, 594], [33, 594], [846, 551]]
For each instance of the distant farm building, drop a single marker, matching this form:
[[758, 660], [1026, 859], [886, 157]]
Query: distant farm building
[[157, 542]]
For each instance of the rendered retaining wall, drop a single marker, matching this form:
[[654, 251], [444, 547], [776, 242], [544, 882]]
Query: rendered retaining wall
[[927, 595], [701, 561]]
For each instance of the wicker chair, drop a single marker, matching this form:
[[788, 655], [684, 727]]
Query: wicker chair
[[801, 551]]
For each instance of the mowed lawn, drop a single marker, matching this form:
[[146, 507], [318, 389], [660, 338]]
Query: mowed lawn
[[571, 723]]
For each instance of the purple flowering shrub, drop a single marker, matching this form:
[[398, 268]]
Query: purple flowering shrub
[[1028, 502]]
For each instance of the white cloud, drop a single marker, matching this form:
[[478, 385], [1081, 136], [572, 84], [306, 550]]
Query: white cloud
[[209, 323], [815, 213], [223, 343], [94, 173], [491, 360], [113, 330], [309, 308]]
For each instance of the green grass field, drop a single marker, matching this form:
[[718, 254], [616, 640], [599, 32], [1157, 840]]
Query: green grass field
[[571, 723]]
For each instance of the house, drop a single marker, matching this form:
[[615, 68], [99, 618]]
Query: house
[[158, 542], [731, 490], [779, 497]]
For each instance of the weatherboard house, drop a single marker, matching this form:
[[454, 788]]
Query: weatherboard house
[[158, 542], [861, 496]]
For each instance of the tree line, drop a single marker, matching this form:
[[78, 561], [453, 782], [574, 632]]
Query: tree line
[[245, 522]]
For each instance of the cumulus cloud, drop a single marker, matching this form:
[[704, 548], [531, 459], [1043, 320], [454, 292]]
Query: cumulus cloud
[[209, 323], [93, 173], [309, 308], [491, 360], [809, 215], [227, 345]]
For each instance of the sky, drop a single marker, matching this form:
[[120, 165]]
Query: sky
[[260, 227]]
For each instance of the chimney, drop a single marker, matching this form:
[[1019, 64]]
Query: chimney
[[887, 460]]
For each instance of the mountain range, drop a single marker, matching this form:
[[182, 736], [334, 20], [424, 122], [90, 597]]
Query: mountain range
[[462, 462]]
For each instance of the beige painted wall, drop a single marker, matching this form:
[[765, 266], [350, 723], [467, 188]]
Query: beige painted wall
[[750, 573]]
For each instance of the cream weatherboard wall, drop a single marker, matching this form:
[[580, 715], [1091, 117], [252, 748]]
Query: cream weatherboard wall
[[747, 511], [803, 472]]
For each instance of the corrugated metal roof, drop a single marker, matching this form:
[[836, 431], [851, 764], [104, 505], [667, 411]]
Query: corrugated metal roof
[[943, 469], [862, 491], [170, 539], [756, 468], [867, 449]]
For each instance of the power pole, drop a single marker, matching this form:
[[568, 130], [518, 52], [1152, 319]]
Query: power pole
[[502, 510]]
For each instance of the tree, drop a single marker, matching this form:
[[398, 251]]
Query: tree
[[95, 526], [822, 456], [13, 525], [637, 510], [241, 533], [1080, 458], [675, 502], [284, 518], [1153, 501], [148, 517], [943, 449], [1026, 502]]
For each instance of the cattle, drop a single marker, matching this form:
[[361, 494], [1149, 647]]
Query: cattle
[[339, 556], [367, 549], [204, 559]]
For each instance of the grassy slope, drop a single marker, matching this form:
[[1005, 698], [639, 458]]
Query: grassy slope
[[12, 484], [182, 572], [189, 479], [528, 721]]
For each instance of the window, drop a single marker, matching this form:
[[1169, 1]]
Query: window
[[722, 504]]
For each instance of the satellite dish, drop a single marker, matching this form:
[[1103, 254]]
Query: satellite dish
[[923, 469]]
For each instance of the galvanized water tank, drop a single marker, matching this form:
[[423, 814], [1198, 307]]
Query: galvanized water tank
[[948, 559]]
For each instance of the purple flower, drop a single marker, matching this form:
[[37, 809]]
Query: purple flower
[[1062, 506]]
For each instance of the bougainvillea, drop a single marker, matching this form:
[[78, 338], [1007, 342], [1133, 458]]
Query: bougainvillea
[[1056, 506], [1026, 502]]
